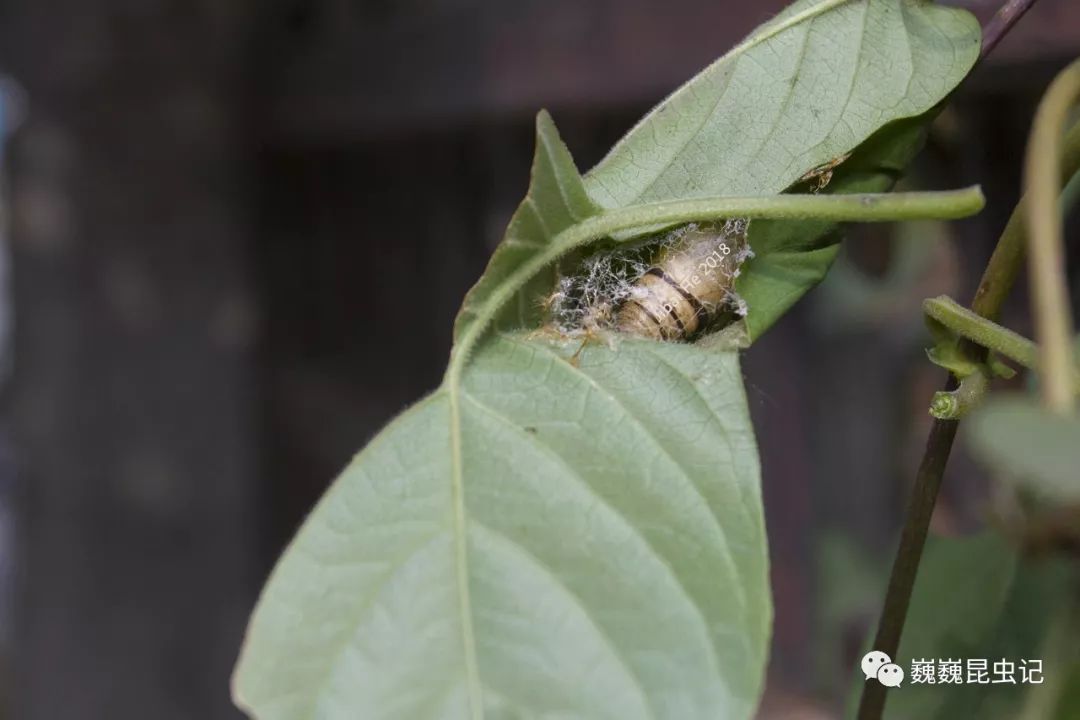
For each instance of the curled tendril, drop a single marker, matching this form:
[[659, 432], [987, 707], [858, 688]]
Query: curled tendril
[[954, 404]]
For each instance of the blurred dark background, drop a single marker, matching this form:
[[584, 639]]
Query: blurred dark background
[[236, 235]]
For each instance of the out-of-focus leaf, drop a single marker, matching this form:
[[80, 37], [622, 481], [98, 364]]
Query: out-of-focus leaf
[[975, 598], [1068, 703], [961, 593], [1017, 440]]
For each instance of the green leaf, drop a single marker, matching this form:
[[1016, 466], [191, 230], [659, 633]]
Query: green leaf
[[1022, 442], [606, 557], [813, 84]]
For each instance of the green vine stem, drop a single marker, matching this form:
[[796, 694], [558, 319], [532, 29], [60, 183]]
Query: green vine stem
[[1050, 294], [989, 335], [984, 333]]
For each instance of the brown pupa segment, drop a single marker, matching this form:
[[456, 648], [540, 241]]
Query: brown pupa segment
[[686, 285]]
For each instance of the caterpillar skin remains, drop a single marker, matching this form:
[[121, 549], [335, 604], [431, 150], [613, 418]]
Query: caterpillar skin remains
[[686, 286]]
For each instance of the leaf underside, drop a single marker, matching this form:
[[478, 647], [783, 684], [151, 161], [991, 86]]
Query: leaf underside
[[615, 540], [545, 539], [761, 117]]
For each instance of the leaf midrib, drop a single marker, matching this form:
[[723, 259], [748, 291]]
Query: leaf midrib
[[461, 568]]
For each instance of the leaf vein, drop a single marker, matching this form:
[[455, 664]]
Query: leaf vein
[[731, 566], [574, 598]]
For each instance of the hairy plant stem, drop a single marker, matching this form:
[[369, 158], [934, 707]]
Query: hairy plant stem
[[1050, 292], [987, 334], [983, 332]]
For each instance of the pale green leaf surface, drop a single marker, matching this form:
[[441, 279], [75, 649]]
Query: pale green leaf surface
[[1020, 441], [616, 553], [811, 85]]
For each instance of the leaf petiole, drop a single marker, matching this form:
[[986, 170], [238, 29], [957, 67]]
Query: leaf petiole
[[982, 332], [987, 334]]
